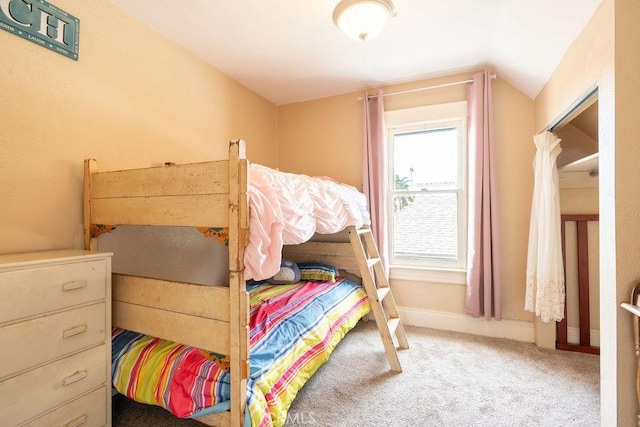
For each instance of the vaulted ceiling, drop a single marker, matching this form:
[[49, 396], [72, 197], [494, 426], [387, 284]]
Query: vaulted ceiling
[[290, 51]]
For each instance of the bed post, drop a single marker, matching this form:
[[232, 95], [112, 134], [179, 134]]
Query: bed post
[[239, 299], [90, 167]]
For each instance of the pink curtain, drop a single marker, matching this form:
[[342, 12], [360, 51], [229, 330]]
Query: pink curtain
[[374, 180], [483, 297]]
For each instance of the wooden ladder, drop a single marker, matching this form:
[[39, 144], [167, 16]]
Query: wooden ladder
[[376, 284]]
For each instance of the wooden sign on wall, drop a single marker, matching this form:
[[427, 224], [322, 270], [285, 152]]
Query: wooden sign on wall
[[41, 23]]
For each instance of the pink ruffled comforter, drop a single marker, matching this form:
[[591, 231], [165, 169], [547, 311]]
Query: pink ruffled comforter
[[287, 209]]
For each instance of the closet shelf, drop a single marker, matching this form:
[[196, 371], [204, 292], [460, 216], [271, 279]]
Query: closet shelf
[[582, 173], [585, 164]]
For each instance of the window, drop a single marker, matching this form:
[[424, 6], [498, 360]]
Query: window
[[427, 189]]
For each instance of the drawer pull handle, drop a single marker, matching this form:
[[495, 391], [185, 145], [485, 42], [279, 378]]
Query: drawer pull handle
[[75, 377], [74, 331], [72, 286], [77, 422]]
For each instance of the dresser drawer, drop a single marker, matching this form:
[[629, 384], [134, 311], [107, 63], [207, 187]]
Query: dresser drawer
[[39, 340], [29, 292], [89, 410], [44, 388]]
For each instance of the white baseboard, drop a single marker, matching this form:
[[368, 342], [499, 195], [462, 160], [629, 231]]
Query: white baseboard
[[511, 329]]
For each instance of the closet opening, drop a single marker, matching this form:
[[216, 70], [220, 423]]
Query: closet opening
[[578, 172]]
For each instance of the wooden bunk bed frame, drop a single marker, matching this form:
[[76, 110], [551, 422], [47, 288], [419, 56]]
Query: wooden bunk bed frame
[[214, 318]]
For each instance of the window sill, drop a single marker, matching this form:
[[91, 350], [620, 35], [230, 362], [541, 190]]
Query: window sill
[[432, 275]]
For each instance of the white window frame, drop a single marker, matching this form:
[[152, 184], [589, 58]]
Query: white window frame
[[424, 118]]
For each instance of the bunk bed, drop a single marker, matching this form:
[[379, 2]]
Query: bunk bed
[[215, 320]]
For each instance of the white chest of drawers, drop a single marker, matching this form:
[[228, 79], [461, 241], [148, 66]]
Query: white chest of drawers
[[55, 339]]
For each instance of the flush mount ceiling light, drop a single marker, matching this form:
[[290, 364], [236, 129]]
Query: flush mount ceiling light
[[363, 19]]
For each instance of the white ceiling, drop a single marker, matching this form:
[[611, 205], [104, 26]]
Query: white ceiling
[[290, 51]]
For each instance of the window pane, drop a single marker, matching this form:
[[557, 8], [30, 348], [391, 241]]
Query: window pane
[[425, 227], [426, 159]]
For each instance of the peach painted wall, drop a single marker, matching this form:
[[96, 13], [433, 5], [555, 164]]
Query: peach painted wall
[[317, 138], [581, 67], [606, 52], [324, 137], [619, 212], [133, 99]]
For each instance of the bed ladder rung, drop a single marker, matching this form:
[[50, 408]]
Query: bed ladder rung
[[372, 261], [393, 324], [363, 230], [375, 282], [382, 292]]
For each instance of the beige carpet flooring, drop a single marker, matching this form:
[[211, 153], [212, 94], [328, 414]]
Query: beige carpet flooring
[[449, 379]]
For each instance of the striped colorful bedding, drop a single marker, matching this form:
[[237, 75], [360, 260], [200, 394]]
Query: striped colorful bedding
[[294, 329]]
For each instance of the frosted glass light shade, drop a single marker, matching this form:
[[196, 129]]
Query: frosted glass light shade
[[362, 19]]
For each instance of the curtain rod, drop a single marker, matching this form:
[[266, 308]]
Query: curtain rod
[[418, 89]]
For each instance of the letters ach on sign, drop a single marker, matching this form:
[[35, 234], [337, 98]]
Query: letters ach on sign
[[41, 23]]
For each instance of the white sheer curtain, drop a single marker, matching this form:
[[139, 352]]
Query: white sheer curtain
[[545, 272]]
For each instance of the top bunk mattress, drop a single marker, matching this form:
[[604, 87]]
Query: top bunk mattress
[[288, 209]]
